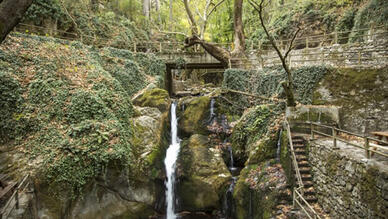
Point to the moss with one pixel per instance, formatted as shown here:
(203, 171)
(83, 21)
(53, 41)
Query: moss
(196, 116)
(369, 192)
(262, 150)
(203, 175)
(197, 195)
(332, 164)
(286, 161)
(251, 202)
(354, 82)
(250, 136)
(156, 97)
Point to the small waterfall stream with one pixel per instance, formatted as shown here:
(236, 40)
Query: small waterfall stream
(170, 163)
(279, 146)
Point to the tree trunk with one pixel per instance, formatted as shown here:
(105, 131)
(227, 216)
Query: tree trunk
(239, 38)
(171, 21)
(146, 9)
(194, 28)
(11, 12)
(157, 8)
(219, 53)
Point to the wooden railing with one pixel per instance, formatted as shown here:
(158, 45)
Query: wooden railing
(301, 202)
(310, 41)
(298, 199)
(335, 133)
(294, 161)
(13, 201)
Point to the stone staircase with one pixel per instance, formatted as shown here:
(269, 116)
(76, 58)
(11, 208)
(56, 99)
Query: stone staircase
(299, 144)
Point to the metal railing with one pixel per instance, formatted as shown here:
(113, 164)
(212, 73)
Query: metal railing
(335, 134)
(13, 201)
(297, 198)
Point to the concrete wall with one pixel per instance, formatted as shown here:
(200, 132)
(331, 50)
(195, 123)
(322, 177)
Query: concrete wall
(347, 184)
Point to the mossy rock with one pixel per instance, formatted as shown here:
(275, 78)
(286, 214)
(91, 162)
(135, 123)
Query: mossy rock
(196, 115)
(155, 97)
(202, 174)
(253, 202)
(262, 150)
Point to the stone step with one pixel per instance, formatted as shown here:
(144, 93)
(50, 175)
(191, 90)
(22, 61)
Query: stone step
(298, 140)
(304, 170)
(297, 137)
(310, 198)
(306, 177)
(299, 151)
(298, 145)
(309, 191)
(308, 184)
(303, 163)
(301, 157)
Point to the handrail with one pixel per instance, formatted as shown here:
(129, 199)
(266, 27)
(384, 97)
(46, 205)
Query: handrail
(4, 212)
(334, 134)
(295, 162)
(159, 46)
(298, 192)
(299, 195)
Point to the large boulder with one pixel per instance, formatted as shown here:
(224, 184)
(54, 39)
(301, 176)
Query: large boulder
(203, 175)
(262, 192)
(154, 97)
(196, 115)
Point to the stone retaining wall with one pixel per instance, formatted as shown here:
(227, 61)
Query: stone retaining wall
(348, 185)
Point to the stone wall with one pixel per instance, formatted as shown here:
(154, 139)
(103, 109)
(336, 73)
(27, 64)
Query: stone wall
(347, 184)
(370, 54)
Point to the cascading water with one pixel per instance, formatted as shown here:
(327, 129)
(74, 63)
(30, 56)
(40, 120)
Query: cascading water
(170, 161)
(212, 113)
(279, 146)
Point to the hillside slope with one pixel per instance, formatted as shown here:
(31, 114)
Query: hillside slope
(67, 107)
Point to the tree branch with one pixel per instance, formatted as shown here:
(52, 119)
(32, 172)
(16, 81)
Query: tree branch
(215, 7)
(194, 28)
(292, 42)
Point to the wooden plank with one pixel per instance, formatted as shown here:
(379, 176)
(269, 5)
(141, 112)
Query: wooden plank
(7, 189)
(385, 134)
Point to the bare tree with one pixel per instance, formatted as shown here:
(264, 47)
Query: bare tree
(194, 28)
(204, 16)
(287, 85)
(11, 12)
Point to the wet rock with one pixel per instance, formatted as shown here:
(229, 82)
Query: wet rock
(196, 116)
(203, 176)
(156, 97)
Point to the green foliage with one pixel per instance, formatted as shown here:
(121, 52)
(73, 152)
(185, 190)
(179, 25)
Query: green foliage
(236, 79)
(41, 10)
(374, 13)
(76, 110)
(11, 101)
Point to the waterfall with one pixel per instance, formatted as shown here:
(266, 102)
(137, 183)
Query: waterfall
(231, 157)
(279, 146)
(170, 163)
(212, 113)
